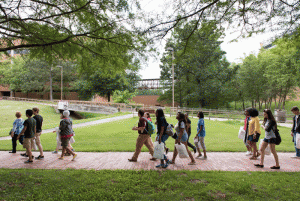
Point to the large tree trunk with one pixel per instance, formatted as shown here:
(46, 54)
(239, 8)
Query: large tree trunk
(108, 96)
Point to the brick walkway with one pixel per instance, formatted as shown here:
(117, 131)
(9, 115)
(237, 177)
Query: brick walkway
(224, 161)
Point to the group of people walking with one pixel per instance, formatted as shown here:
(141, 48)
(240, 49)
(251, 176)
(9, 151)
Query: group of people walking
(181, 135)
(28, 133)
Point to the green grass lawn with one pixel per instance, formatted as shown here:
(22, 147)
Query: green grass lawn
(51, 118)
(118, 136)
(34, 184)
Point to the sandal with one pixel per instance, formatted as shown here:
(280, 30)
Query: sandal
(28, 161)
(160, 165)
(192, 163)
(61, 158)
(152, 159)
(274, 167)
(25, 155)
(171, 162)
(253, 158)
(259, 165)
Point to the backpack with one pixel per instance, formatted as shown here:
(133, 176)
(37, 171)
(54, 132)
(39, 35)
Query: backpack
(150, 127)
(278, 138)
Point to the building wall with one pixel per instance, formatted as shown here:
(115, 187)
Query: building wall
(46, 96)
(151, 100)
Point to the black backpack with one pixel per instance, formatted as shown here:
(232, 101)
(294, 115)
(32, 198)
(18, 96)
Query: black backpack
(278, 138)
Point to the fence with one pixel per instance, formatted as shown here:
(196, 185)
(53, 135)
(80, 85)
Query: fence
(215, 113)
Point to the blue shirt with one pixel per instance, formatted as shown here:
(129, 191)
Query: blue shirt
(201, 123)
(18, 126)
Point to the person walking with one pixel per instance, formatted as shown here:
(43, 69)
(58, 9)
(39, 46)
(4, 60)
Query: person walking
(66, 132)
(182, 137)
(162, 135)
(39, 123)
(246, 125)
(28, 131)
(189, 131)
(200, 135)
(295, 129)
(143, 138)
(15, 131)
(254, 133)
(270, 127)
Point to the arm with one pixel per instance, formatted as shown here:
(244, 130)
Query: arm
(162, 129)
(22, 132)
(292, 131)
(180, 135)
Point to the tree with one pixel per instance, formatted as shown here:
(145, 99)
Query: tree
(30, 75)
(245, 16)
(123, 96)
(71, 30)
(200, 67)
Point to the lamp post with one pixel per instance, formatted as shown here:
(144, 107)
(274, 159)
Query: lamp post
(61, 84)
(171, 49)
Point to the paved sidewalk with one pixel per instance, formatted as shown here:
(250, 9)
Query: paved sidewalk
(101, 121)
(223, 161)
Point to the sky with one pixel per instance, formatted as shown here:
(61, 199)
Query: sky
(235, 50)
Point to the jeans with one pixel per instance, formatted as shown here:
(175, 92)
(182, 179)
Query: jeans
(190, 144)
(14, 142)
(297, 150)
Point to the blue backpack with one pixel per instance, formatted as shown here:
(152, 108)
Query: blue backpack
(150, 127)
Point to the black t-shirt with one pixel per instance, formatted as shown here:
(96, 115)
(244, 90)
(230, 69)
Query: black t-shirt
(188, 121)
(161, 122)
(30, 124)
(39, 123)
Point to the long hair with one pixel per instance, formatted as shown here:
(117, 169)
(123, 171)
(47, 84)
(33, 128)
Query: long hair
(160, 113)
(254, 112)
(182, 118)
(270, 117)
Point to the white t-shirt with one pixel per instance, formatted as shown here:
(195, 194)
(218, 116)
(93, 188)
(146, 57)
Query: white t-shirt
(177, 128)
(296, 118)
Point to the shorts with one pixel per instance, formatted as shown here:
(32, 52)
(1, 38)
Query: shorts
(201, 139)
(65, 142)
(270, 141)
(163, 138)
(37, 138)
(27, 143)
(250, 138)
(184, 137)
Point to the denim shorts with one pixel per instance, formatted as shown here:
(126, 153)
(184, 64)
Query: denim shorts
(163, 138)
(270, 141)
(184, 137)
(250, 138)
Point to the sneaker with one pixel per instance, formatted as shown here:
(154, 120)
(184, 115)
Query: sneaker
(158, 166)
(74, 157)
(39, 157)
(61, 158)
(24, 155)
(295, 157)
(203, 158)
(54, 152)
(28, 161)
(248, 153)
(165, 165)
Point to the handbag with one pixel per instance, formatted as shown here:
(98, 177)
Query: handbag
(267, 150)
(181, 148)
(242, 133)
(197, 143)
(169, 130)
(158, 150)
(278, 137)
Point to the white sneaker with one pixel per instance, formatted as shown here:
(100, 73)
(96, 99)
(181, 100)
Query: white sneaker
(295, 157)
(248, 153)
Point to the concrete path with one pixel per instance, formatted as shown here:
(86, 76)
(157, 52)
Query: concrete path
(101, 121)
(223, 161)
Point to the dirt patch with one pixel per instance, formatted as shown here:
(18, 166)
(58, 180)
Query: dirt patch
(112, 181)
(196, 181)
(183, 174)
(217, 195)
(189, 199)
(254, 188)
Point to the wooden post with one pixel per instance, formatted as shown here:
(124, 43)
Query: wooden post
(209, 114)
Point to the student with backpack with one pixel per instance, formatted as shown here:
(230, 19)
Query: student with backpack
(161, 134)
(143, 138)
(270, 126)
